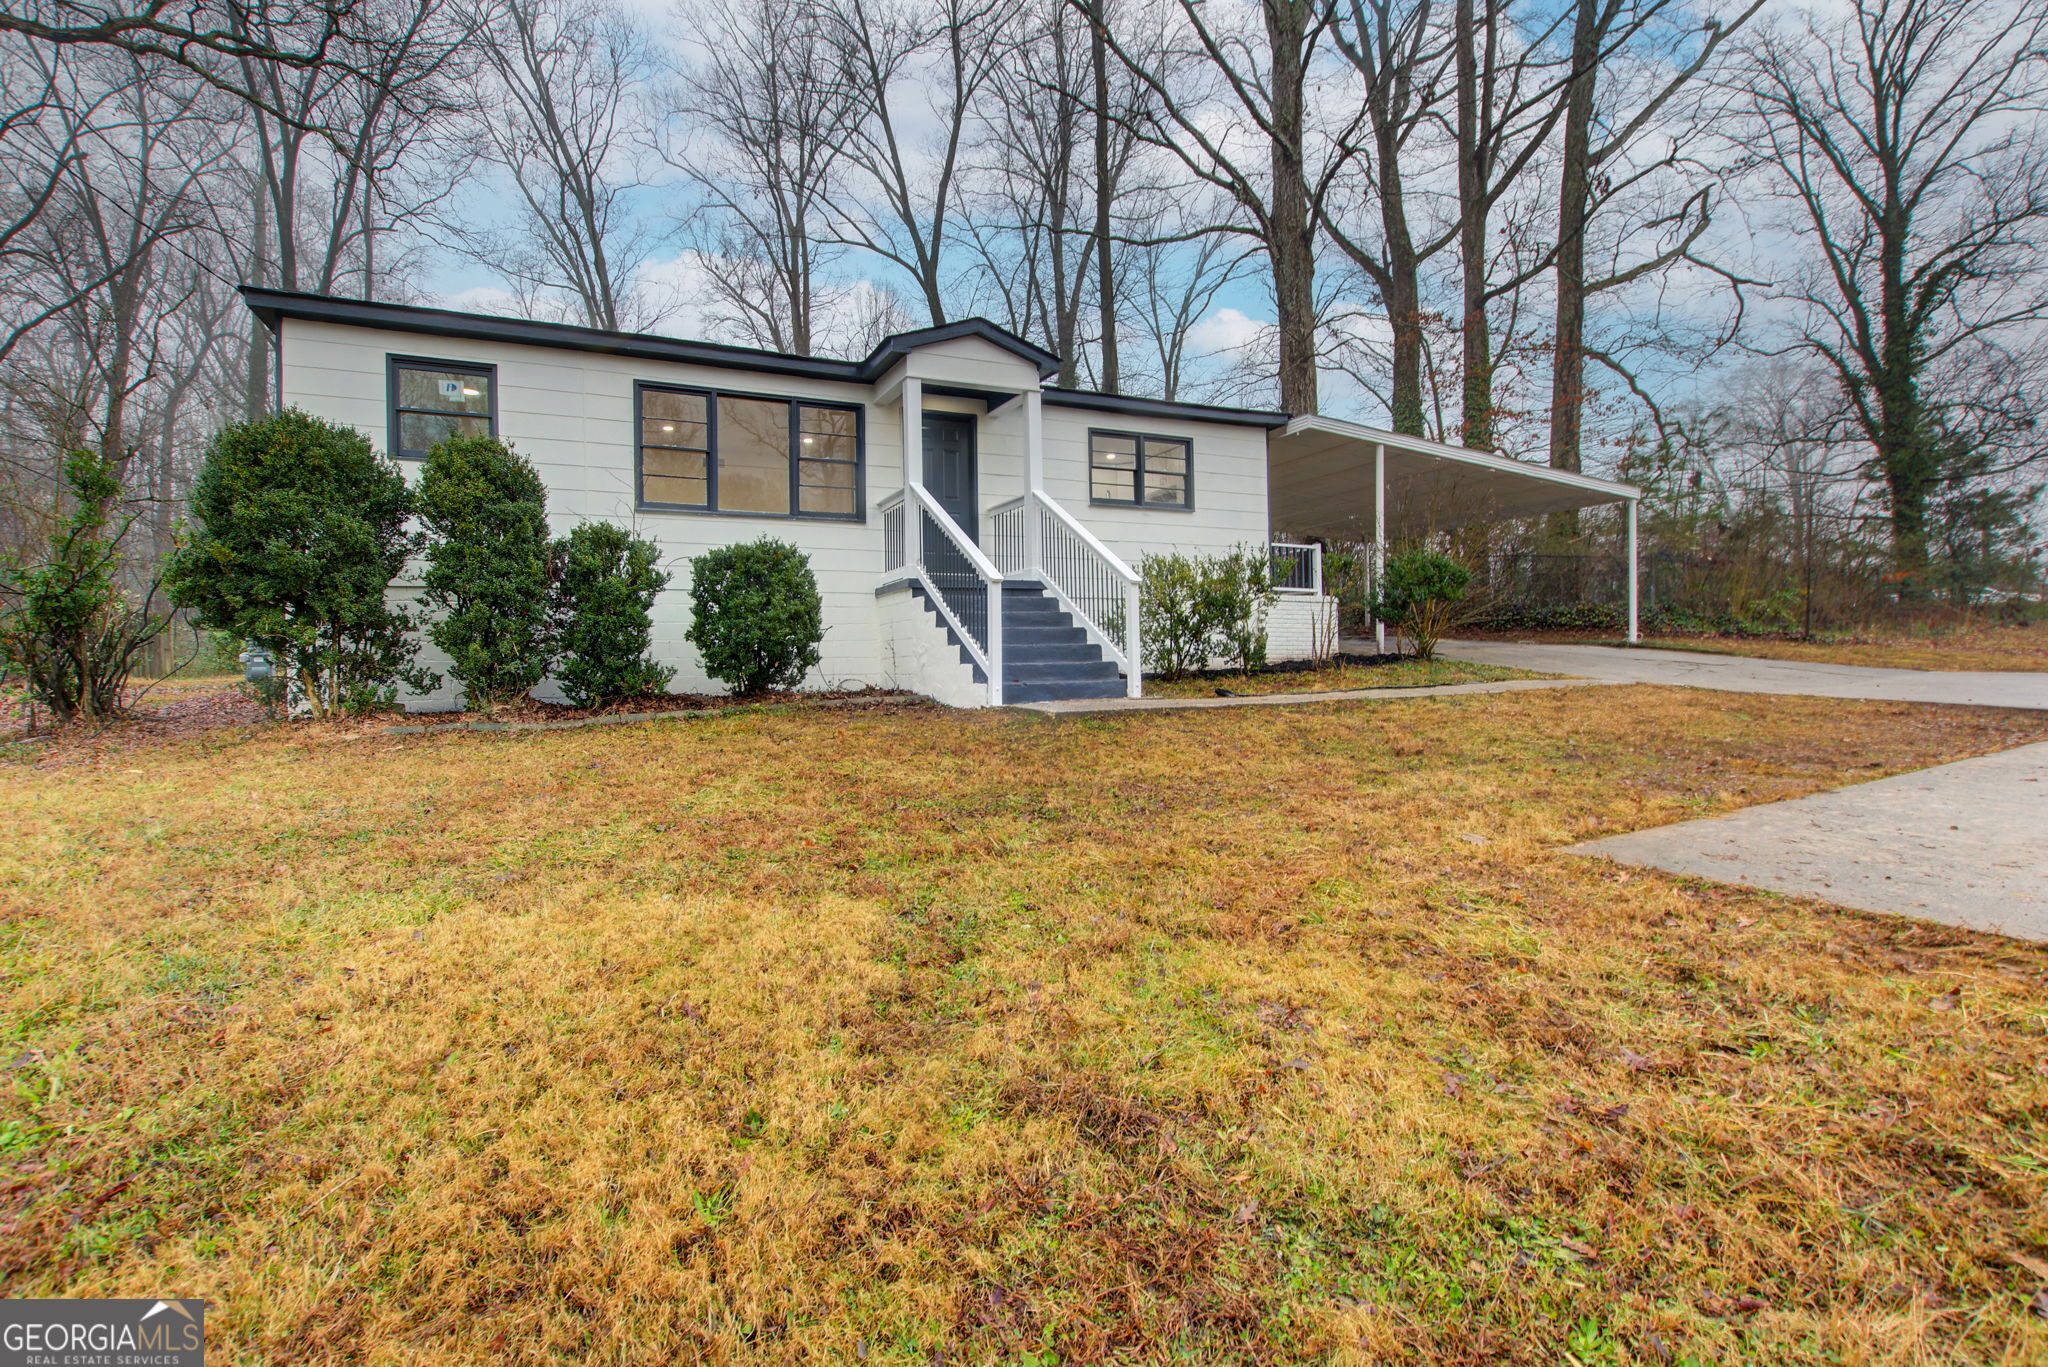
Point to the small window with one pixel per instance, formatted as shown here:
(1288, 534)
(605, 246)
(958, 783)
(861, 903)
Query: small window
(432, 401)
(741, 453)
(1129, 467)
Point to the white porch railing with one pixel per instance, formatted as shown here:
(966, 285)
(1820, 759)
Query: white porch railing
(964, 584)
(1297, 567)
(1035, 535)
(892, 532)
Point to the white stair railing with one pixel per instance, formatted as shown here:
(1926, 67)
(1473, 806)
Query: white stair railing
(964, 584)
(892, 532)
(1035, 535)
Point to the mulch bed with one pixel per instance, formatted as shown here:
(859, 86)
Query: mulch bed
(532, 711)
(183, 710)
(157, 715)
(1336, 661)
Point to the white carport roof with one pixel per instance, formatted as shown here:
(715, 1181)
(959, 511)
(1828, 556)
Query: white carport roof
(1321, 474)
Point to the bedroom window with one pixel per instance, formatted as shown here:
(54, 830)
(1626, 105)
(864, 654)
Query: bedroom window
(704, 451)
(1133, 469)
(432, 401)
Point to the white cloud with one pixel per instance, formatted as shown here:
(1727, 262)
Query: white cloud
(1227, 331)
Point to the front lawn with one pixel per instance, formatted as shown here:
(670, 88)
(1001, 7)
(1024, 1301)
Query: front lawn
(1996, 648)
(1408, 673)
(907, 1036)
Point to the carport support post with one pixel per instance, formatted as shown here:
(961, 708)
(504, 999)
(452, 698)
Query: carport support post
(1634, 573)
(1379, 539)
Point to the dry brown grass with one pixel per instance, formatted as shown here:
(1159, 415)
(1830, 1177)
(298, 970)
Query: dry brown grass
(1998, 648)
(1266, 1035)
(1332, 678)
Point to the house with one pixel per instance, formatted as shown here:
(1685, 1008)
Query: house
(981, 554)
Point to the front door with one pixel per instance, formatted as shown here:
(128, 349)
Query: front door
(949, 468)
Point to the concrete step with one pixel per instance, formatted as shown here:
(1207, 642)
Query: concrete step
(1061, 692)
(1041, 636)
(1058, 671)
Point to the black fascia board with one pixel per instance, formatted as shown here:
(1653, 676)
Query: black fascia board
(270, 305)
(1135, 407)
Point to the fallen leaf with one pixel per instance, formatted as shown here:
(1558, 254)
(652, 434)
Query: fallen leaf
(2030, 1263)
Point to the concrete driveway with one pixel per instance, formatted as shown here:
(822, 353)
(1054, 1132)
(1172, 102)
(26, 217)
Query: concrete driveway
(1960, 843)
(1741, 674)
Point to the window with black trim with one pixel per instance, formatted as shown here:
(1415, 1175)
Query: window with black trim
(1145, 472)
(432, 401)
(705, 451)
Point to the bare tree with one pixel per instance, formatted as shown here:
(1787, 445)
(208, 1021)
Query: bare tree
(1401, 58)
(1907, 139)
(569, 79)
(912, 79)
(1604, 120)
(1247, 132)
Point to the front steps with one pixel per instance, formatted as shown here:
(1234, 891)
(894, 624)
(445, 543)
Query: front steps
(1046, 656)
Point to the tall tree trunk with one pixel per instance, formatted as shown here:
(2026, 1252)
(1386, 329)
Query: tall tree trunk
(1477, 426)
(1403, 290)
(256, 380)
(1568, 364)
(1290, 230)
(1105, 195)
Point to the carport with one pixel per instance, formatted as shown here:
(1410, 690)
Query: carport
(1344, 481)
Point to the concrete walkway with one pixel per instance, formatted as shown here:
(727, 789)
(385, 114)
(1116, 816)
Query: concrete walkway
(1741, 674)
(1965, 844)
(1090, 705)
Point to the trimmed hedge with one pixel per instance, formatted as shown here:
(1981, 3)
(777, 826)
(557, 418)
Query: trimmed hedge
(487, 571)
(605, 583)
(755, 615)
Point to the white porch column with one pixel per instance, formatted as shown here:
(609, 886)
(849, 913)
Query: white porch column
(913, 471)
(1634, 573)
(1379, 538)
(1034, 480)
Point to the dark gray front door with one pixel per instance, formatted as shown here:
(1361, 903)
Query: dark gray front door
(949, 468)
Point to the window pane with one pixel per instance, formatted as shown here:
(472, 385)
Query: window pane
(673, 476)
(1113, 485)
(660, 460)
(829, 474)
(837, 422)
(753, 456)
(661, 489)
(1172, 489)
(1115, 452)
(662, 405)
(418, 431)
(826, 502)
(1171, 456)
(817, 447)
(445, 391)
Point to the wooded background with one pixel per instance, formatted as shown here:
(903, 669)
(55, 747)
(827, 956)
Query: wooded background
(1783, 265)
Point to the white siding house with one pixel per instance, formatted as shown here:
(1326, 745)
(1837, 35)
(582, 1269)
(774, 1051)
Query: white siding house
(983, 556)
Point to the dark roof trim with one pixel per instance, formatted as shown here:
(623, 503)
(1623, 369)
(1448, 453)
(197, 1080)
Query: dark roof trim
(1163, 408)
(271, 305)
(894, 349)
